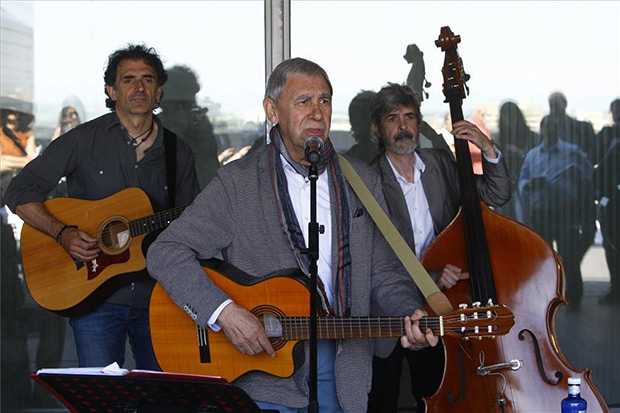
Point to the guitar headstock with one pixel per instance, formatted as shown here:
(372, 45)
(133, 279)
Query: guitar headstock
(454, 76)
(478, 322)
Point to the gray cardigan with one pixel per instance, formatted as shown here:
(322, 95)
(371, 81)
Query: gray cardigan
(236, 215)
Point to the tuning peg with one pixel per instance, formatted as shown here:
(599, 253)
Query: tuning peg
(462, 306)
(476, 304)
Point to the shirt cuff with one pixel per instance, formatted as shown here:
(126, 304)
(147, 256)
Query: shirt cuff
(211, 323)
(496, 160)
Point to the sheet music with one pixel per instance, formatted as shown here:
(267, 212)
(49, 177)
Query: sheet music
(110, 370)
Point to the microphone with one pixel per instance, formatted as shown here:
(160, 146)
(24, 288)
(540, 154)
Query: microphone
(313, 147)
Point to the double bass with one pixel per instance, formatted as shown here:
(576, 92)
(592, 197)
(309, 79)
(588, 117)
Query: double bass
(509, 264)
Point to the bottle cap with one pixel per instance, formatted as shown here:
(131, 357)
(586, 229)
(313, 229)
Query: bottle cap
(574, 380)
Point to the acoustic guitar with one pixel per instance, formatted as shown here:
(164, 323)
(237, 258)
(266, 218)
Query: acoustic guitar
(282, 304)
(120, 223)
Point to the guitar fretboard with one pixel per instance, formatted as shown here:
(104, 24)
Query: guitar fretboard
(298, 328)
(154, 222)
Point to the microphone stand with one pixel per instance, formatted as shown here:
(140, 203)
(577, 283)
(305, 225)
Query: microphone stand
(313, 253)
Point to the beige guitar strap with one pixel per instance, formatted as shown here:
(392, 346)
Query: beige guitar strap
(435, 298)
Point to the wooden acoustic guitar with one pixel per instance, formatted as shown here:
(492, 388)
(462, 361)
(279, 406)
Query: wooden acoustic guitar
(282, 304)
(120, 223)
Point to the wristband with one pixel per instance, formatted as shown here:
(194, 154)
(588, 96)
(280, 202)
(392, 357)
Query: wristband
(59, 236)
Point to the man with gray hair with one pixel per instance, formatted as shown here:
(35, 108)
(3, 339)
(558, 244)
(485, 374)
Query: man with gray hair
(255, 212)
(422, 194)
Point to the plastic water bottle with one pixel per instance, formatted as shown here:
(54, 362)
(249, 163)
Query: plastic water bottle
(574, 403)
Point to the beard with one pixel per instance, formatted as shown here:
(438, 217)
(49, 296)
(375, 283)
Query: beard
(403, 143)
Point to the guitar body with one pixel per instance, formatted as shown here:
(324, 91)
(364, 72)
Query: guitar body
(174, 334)
(56, 282)
(281, 301)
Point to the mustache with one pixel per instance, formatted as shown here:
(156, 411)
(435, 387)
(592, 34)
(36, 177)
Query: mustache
(403, 134)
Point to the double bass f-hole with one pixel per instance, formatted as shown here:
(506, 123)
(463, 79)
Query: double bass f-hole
(539, 360)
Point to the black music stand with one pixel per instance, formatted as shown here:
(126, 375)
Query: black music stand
(146, 392)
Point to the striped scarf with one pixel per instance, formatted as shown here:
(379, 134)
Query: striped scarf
(338, 196)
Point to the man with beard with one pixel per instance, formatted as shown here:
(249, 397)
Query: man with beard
(422, 195)
(122, 149)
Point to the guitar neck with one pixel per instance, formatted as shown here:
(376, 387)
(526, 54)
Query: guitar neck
(154, 222)
(298, 328)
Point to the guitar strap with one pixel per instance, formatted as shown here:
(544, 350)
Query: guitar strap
(170, 147)
(435, 298)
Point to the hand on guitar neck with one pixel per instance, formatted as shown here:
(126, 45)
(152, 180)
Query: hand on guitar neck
(415, 337)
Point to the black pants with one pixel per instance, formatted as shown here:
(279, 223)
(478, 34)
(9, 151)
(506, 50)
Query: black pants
(573, 240)
(425, 366)
(610, 224)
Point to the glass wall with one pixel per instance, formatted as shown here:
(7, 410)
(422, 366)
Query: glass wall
(53, 58)
(517, 54)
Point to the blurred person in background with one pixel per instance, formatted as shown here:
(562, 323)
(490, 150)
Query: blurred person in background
(71, 115)
(17, 149)
(365, 147)
(556, 182)
(516, 139)
(580, 133)
(182, 115)
(607, 181)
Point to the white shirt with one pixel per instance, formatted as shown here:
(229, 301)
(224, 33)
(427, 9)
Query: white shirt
(299, 192)
(417, 205)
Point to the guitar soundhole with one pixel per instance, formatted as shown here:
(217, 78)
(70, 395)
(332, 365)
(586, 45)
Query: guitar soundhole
(114, 236)
(276, 343)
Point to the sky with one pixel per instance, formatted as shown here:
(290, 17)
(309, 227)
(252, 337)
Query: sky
(519, 50)
(512, 50)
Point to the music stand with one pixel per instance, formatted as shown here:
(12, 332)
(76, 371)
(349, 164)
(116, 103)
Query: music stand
(146, 392)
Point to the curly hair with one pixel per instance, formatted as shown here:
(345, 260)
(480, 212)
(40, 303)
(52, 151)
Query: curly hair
(135, 52)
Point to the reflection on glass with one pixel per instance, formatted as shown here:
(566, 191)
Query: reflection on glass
(513, 70)
(214, 52)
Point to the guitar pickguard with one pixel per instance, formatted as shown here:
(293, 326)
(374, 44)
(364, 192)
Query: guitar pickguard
(98, 265)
